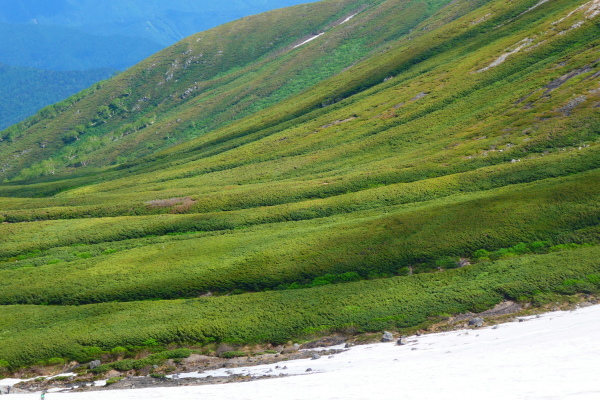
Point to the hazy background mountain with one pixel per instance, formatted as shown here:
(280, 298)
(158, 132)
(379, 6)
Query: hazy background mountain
(96, 39)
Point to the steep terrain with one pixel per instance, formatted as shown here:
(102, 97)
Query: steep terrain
(69, 42)
(333, 166)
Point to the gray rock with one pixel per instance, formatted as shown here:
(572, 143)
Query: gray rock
(95, 363)
(347, 345)
(315, 357)
(476, 322)
(387, 337)
(308, 369)
(401, 341)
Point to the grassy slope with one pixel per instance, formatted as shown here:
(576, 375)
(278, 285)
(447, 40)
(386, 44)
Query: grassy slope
(201, 83)
(357, 174)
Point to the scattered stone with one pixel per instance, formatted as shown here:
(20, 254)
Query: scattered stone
(387, 337)
(495, 327)
(315, 357)
(308, 369)
(419, 96)
(401, 341)
(325, 342)
(285, 367)
(521, 319)
(347, 345)
(331, 357)
(95, 364)
(476, 322)
(413, 349)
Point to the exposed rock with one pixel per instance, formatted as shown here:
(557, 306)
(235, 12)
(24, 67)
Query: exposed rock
(503, 308)
(476, 322)
(401, 341)
(387, 337)
(463, 262)
(315, 357)
(419, 96)
(325, 342)
(567, 108)
(95, 364)
(112, 374)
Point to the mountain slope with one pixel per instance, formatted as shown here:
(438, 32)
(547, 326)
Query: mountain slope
(86, 36)
(222, 74)
(250, 161)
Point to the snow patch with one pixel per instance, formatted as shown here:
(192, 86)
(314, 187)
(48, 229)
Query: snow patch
(554, 356)
(309, 40)
(348, 19)
(533, 7)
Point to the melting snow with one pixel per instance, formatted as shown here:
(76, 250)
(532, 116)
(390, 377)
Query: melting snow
(308, 40)
(347, 19)
(551, 357)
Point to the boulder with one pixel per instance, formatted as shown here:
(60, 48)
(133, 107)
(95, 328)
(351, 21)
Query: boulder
(476, 322)
(401, 341)
(387, 337)
(463, 262)
(315, 357)
(95, 364)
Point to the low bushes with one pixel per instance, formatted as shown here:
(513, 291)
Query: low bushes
(42, 332)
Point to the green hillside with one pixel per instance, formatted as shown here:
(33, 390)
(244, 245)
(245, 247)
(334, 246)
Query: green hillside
(412, 159)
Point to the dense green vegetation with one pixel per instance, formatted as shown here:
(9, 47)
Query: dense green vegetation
(33, 333)
(235, 188)
(25, 90)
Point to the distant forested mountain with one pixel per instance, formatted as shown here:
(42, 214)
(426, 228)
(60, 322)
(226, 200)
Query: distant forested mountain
(23, 89)
(95, 39)
(58, 48)
(159, 21)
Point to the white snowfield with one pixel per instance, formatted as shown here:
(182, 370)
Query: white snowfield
(555, 356)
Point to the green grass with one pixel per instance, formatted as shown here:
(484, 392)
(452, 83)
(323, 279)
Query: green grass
(30, 333)
(380, 149)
